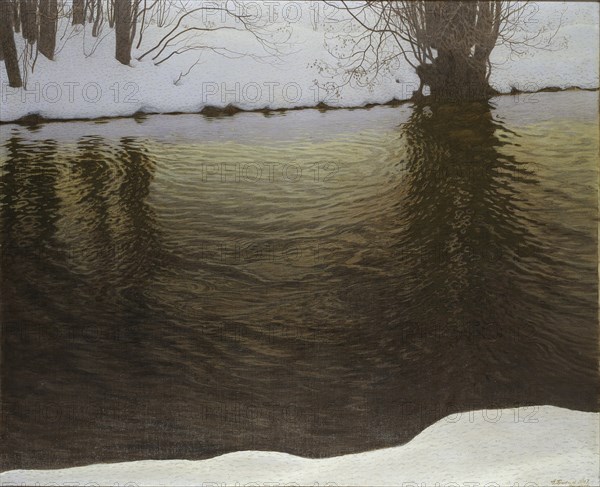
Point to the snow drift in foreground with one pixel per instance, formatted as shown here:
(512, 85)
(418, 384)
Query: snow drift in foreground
(541, 446)
(85, 81)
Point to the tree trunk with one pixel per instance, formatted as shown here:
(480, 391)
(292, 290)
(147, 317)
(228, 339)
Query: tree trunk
(123, 30)
(78, 12)
(32, 20)
(48, 25)
(98, 19)
(9, 49)
(110, 11)
(23, 16)
(29, 19)
(16, 16)
(459, 71)
(89, 5)
(456, 77)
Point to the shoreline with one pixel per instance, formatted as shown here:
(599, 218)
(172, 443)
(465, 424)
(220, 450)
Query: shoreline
(539, 444)
(211, 111)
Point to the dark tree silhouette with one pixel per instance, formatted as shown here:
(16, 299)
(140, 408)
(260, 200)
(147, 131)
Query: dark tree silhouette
(78, 12)
(48, 25)
(29, 20)
(125, 27)
(7, 45)
(98, 19)
(447, 43)
(16, 15)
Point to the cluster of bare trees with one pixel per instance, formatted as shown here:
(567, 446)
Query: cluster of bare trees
(447, 43)
(183, 22)
(37, 23)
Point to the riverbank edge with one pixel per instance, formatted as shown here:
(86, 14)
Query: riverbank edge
(485, 446)
(211, 111)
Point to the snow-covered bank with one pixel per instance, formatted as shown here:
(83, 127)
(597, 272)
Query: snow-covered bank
(85, 81)
(539, 446)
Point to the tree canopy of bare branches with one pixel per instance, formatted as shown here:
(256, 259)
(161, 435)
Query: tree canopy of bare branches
(179, 27)
(447, 43)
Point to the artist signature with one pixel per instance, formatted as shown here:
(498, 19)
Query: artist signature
(571, 483)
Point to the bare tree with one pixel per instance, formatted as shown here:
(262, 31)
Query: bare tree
(16, 15)
(48, 26)
(447, 43)
(125, 27)
(78, 12)
(90, 7)
(110, 13)
(8, 47)
(184, 26)
(29, 19)
(187, 31)
(98, 14)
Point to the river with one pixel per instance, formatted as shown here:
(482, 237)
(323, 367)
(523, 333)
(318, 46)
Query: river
(312, 282)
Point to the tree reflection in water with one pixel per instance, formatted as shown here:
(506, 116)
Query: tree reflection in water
(119, 343)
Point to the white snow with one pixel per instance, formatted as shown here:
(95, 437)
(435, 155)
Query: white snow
(529, 446)
(85, 81)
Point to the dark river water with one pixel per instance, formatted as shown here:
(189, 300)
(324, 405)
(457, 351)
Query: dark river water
(317, 283)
